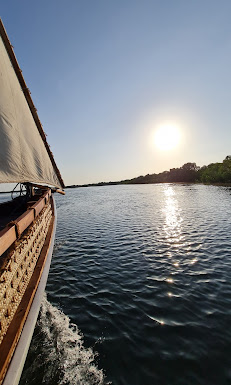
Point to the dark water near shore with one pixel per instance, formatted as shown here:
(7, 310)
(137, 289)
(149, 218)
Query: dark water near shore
(145, 273)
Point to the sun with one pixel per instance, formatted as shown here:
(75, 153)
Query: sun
(167, 137)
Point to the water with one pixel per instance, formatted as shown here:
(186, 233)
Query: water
(145, 273)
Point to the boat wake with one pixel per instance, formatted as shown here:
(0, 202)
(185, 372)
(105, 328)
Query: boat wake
(57, 354)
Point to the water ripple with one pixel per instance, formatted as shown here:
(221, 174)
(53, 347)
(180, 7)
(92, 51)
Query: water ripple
(147, 271)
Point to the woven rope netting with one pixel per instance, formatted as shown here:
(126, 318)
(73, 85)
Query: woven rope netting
(19, 266)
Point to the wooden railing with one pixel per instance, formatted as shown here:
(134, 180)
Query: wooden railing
(14, 229)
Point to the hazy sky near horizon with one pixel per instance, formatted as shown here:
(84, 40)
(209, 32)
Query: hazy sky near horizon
(105, 74)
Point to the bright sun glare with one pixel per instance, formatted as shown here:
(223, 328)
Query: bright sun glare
(167, 137)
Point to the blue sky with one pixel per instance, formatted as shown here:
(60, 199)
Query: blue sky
(104, 74)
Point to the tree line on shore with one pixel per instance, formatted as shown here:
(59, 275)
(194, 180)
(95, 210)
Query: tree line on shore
(188, 173)
(191, 173)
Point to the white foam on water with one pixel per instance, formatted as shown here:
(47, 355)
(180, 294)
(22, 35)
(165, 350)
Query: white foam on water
(62, 352)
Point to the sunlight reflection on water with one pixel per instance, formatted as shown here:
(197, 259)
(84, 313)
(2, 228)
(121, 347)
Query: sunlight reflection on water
(172, 226)
(147, 270)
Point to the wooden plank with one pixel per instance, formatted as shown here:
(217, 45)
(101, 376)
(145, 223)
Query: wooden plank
(38, 206)
(60, 192)
(46, 197)
(24, 221)
(7, 237)
(9, 234)
(13, 334)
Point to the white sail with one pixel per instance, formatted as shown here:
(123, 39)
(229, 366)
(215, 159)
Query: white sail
(24, 154)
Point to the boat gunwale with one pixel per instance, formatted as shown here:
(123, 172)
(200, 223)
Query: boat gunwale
(14, 331)
(14, 229)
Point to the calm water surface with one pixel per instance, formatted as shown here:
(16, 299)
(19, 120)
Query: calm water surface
(144, 271)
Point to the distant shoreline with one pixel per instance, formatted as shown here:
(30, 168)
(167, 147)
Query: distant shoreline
(8, 192)
(129, 184)
(102, 184)
(213, 174)
(5, 192)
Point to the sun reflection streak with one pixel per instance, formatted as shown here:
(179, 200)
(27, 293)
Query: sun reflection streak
(173, 225)
(174, 236)
(173, 219)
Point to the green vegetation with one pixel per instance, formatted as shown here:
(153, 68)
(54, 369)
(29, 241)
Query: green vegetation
(214, 173)
(191, 173)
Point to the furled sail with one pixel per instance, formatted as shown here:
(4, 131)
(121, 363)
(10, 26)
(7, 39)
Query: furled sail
(24, 153)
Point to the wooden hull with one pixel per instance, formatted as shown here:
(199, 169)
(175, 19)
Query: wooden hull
(16, 341)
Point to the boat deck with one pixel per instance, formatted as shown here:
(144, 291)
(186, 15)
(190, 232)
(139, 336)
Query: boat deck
(11, 210)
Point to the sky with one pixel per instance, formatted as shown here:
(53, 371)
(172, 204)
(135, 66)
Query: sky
(105, 74)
